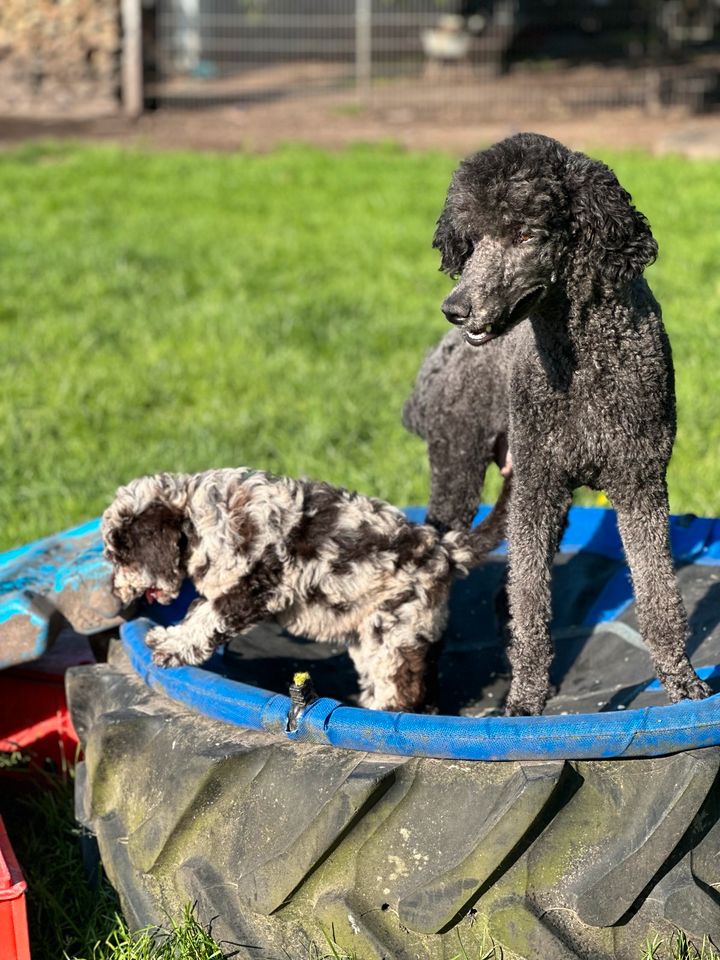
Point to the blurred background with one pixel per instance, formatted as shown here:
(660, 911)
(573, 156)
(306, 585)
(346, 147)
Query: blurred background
(328, 68)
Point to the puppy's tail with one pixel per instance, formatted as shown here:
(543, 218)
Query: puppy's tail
(469, 548)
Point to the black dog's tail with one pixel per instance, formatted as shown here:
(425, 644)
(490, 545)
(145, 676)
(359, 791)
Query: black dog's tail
(468, 549)
(490, 532)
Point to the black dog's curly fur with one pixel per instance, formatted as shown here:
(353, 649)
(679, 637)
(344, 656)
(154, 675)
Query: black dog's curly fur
(560, 353)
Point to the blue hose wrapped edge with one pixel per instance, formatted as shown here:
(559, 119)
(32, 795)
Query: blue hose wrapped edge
(647, 732)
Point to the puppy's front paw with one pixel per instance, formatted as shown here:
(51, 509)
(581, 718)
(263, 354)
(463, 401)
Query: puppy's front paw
(166, 651)
(155, 637)
(177, 647)
(167, 658)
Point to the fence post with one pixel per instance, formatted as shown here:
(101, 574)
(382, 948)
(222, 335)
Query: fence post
(363, 48)
(132, 60)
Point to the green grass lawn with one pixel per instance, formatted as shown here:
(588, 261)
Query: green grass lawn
(177, 311)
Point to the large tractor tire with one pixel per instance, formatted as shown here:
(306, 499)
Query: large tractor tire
(284, 844)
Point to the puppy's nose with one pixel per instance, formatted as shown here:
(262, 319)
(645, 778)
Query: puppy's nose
(456, 308)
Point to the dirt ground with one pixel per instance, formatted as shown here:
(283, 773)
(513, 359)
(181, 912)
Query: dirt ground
(583, 106)
(260, 127)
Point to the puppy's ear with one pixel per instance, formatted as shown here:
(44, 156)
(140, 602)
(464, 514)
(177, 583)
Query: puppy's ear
(453, 248)
(610, 235)
(160, 499)
(158, 518)
(115, 541)
(115, 533)
(124, 534)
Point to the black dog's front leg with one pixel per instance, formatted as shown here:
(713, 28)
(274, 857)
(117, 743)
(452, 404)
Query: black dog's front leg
(206, 626)
(537, 517)
(642, 513)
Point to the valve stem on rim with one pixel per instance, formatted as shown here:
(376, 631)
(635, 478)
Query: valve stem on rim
(302, 694)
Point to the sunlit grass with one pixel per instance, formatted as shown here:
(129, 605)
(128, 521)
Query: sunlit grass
(176, 311)
(678, 947)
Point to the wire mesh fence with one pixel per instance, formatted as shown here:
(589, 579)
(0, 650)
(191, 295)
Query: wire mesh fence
(480, 56)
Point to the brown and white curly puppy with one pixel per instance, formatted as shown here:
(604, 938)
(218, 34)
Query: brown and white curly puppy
(325, 563)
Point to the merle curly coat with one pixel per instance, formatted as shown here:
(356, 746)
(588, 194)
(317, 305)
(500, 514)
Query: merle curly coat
(325, 563)
(559, 353)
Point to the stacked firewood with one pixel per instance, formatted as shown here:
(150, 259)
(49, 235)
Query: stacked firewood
(58, 56)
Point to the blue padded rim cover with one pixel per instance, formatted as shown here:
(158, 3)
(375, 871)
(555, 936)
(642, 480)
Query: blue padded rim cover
(649, 732)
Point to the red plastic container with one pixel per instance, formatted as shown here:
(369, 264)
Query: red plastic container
(33, 713)
(14, 940)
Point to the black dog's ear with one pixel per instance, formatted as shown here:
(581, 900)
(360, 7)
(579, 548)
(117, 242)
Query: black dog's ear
(454, 249)
(608, 232)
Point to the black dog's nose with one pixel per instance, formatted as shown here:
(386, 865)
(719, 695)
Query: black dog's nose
(456, 308)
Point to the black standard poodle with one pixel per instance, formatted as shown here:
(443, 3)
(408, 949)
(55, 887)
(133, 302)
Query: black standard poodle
(559, 369)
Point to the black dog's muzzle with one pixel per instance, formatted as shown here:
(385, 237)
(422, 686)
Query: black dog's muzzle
(491, 329)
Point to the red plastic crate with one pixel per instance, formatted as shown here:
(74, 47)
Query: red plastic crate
(33, 713)
(14, 940)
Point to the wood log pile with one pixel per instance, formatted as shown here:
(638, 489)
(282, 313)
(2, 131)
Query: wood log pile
(59, 57)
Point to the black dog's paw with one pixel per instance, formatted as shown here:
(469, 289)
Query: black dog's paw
(514, 709)
(686, 686)
(519, 705)
(699, 691)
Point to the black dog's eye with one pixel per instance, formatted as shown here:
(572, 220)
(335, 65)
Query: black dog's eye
(523, 236)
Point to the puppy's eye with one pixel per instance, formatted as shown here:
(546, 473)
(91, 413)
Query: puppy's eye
(523, 236)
